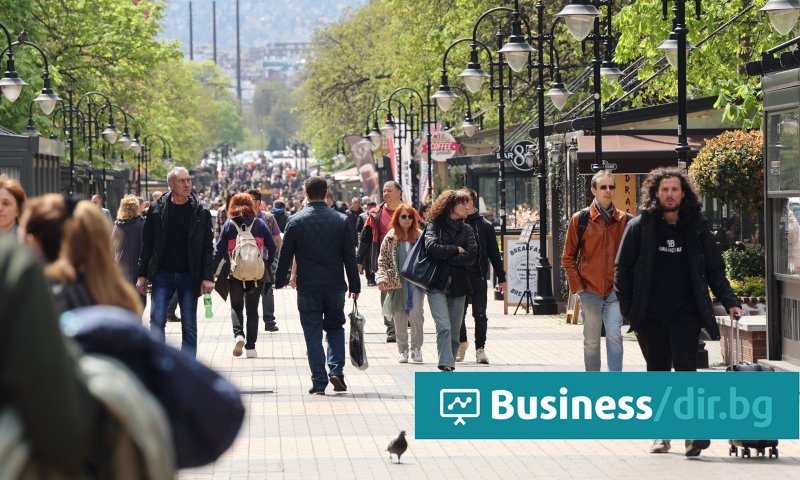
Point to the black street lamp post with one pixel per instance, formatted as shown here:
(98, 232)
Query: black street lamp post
(426, 108)
(399, 131)
(166, 155)
(124, 142)
(90, 129)
(583, 21)
(676, 47)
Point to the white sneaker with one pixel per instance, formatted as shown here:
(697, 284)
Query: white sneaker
(251, 353)
(416, 356)
(237, 350)
(660, 446)
(403, 358)
(480, 356)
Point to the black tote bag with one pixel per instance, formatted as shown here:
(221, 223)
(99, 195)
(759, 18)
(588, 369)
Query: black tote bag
(419, 268)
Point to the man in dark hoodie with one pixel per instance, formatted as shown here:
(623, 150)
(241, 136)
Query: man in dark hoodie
(488, 251)
(279, 212)
(665, 265)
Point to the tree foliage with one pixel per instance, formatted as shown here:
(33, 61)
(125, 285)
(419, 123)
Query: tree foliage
(386, 44)
(729, 167)
(112, 47)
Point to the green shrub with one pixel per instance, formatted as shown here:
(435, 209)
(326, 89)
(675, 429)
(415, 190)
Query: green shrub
(740, 264)
(749, 287)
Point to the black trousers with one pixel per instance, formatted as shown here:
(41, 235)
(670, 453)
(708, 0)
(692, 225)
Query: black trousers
(478, 300)
(669, 344)
(245, 299)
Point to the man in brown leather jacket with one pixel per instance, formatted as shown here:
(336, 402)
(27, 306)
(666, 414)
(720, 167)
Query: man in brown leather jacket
(588, 259)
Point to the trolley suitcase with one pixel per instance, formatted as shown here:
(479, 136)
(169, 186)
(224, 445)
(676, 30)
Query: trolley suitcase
(737, 365)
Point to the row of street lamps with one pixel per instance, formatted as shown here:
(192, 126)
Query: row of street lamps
(584, 21)
(86, 120)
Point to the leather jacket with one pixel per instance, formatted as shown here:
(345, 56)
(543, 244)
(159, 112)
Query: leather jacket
(442, 239)
(592, 268)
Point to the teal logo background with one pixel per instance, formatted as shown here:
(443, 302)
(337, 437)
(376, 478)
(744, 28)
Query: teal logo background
(607, 405)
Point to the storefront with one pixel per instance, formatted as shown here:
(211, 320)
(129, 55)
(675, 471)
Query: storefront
(782, 214)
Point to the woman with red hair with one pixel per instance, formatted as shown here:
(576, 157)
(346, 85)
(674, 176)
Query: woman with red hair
(403, 303)
(242, 215)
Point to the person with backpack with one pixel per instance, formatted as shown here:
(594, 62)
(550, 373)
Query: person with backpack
(247, 248)
(593, 238)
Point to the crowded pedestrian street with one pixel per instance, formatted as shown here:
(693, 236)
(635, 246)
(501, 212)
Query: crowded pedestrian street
(288, 434)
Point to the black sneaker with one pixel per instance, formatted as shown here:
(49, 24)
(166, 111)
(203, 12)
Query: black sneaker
(171, 317)
(271, 328)
(317, 391)
(338, 383)
(391, 339)
(694, 447)
(372, 284)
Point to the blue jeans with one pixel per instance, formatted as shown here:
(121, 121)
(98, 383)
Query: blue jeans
(448, 313)
(596, 311)
(165, 284)
(323, 311)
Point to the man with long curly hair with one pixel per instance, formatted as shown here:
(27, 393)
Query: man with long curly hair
(666, 262)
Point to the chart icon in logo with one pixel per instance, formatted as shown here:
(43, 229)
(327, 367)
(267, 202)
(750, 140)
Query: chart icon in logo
(459, 403)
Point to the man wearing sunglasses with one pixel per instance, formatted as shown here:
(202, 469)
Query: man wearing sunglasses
(593, 238)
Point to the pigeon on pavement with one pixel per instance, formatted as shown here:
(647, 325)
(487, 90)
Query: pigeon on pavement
(398, 446)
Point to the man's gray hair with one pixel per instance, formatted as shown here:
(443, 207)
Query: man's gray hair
(175, 171)
(602, 173)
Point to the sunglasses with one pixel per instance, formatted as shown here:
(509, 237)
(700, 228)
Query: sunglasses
(607, 187)
(406, 217)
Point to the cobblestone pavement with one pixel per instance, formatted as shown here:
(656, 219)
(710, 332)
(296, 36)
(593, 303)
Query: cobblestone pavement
(290, 434)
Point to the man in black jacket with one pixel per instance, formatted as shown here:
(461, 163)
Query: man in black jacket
(488, 251)
(176, 255)
(320, 238)
(665, 264)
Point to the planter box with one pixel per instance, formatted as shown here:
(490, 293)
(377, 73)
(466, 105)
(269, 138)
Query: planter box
(753, 333)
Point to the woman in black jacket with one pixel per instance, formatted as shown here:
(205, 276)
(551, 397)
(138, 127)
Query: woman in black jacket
(452, 242)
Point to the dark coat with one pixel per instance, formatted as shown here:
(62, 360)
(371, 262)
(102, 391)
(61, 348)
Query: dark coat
(127, 236)
(442, 239)
(320, 238)
(635, 264)
(369, 241)
(200, 246)
(488, 251)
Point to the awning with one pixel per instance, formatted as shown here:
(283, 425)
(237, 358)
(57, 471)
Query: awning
(349, 175)
(635, 153)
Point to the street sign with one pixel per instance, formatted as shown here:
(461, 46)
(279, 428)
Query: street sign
(517, 155)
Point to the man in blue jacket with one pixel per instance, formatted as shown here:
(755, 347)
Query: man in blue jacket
(320, 238)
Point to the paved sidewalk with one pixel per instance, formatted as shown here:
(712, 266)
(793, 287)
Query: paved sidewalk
(290, 434)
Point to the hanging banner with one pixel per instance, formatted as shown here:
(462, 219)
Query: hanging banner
(445, 146)
(625, 193)
(362, 154)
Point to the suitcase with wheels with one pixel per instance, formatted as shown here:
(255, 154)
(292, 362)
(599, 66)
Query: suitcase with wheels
(738, 365)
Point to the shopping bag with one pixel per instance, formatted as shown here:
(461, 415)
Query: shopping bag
(419, 268)
(358, 352)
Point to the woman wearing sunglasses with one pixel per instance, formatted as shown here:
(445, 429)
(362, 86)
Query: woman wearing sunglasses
(403, 303)
(452, 242)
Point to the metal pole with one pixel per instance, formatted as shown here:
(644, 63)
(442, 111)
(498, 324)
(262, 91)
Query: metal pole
(597, 93)
(139, 174)
(238, 60)
(501, 160)
(71, 143)
(92, 190)
(428, 106)
(146, 159)
(214, 28)
(680, 30)
(191, 34)
(543, 301)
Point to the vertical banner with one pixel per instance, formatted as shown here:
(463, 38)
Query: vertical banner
(625, 194)
(392, 158)
(362, 154)
(405, 147)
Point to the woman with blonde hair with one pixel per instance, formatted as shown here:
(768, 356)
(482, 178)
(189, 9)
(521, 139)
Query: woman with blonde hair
(12, 200)
(403, 303)
(452, 243)
(127, 238)
(85, 272)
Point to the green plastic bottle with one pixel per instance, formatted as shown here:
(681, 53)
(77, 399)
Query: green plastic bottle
(207, 303)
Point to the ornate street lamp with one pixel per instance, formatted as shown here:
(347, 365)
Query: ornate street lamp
(782, 14)
(676, 53)
(426, 121)
(166, 155)
(90, 130)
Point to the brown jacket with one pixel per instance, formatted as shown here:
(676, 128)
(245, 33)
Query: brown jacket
(594, 270)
